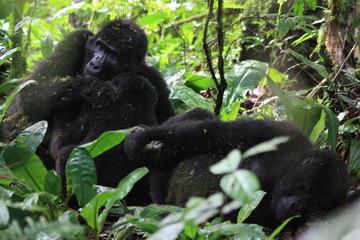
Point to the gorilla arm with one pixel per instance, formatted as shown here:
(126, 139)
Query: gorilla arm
(66, 60)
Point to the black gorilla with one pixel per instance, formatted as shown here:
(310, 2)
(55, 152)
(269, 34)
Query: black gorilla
(120, 46)
(298, 179)
(91, 84)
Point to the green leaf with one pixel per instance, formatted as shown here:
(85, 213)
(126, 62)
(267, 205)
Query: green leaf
(281, 227)
(91, 210)
(312, 4)
(198, 82)
(267, 146)
(47, 45)
(106, 141)
(191, 98)
(299, 7)
(25, 164)
(318, 128)
(8, 100)
(250, 205)
(81, 174)
(332, 124)
(123, 189)
(6, 7)
(52, 183)
(242, 77)
(240, 185)
(153, 19)
(354, 153)
(153, 211)
(305, 113)
(283, 28)
(229, 164)
(319, 68)
(33, 135)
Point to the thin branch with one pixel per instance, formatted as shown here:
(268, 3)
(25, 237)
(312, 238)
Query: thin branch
(206, 46)
(223, 83)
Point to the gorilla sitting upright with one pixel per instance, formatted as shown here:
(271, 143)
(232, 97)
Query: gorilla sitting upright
(298, 178)
(91, 84)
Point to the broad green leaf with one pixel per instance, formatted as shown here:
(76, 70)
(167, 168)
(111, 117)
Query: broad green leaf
(233, 113)
(332, 123)
(8, 100)
(106, 141)
(91, 210)
(52, 183)
(250, 205)
(318, 128)
(198, 82)
(242, 77)
(47, 45)
(33, 135)
(319, 68)
(123, 189)
(299, 7)
(240, 185)
(305, 113)
(312, 4)
(283, 28)
(81, 174)
(153, 211)
(25, 164)
(267, 146)
(354, 153)
(153, 19)
(229, 164)
(190, 230)
(191, 98)
(242, 231)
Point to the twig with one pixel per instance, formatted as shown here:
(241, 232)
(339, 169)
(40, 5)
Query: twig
(206, 47)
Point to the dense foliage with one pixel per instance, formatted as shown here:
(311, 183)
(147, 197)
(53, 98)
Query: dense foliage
(283, 60)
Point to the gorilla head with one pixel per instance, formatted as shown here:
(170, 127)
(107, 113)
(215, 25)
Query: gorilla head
(120, 46)
(315, 185)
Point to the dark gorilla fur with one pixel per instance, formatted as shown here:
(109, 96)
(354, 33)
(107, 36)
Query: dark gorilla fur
(298, 178)
(88, 85)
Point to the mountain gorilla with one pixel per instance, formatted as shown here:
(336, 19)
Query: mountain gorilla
(298, 179)
(91, 84)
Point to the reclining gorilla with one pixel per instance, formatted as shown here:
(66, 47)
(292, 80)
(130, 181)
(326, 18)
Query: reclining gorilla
(298, 179)
(91, 84)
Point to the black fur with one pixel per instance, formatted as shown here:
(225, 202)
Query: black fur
(298, 179)
(88, 85)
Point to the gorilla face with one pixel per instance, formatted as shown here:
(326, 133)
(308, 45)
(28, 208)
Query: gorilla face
(119, 47)
(104, 61)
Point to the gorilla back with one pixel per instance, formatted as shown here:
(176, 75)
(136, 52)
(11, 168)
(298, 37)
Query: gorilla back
(298, 178)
